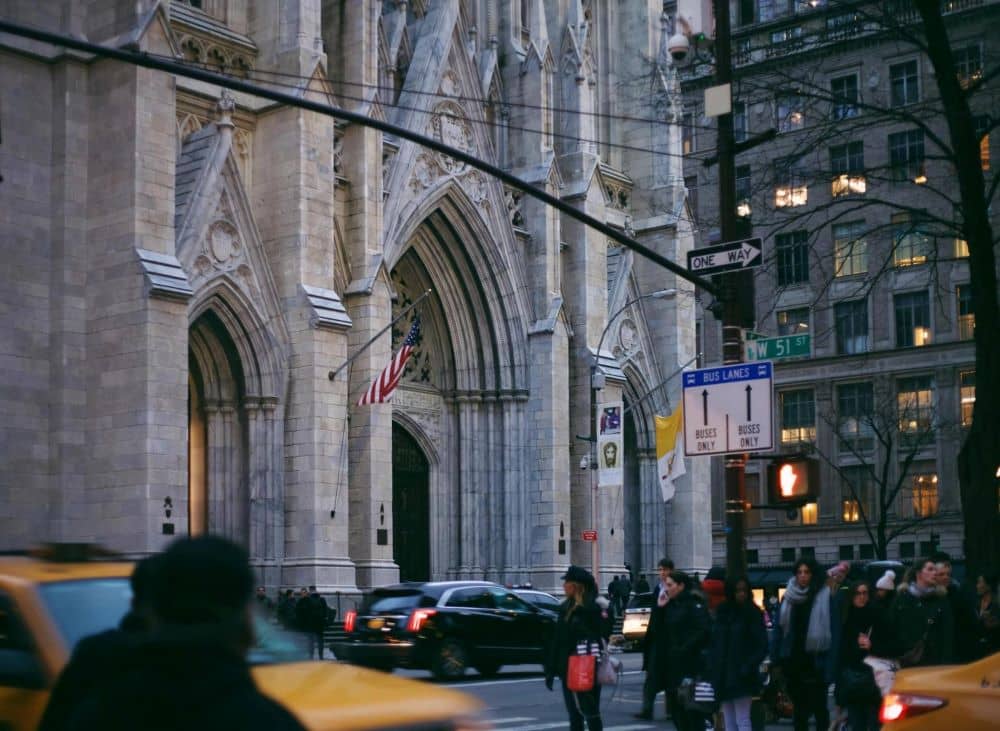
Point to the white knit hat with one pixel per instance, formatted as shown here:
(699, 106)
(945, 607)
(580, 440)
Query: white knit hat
(888, 581)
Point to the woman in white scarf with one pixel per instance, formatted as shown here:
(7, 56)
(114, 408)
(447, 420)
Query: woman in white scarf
(805, 636)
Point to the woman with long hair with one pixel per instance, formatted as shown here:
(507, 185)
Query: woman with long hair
(738, 647)
(863, 632)
(580, 623)
(805, 636)
(686, 625)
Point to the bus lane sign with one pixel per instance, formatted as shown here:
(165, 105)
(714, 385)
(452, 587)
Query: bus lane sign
(728, 409)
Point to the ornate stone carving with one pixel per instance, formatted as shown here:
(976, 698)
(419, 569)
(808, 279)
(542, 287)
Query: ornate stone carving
(627, 336)
(450, 126)
(223, 242)
(512, 198)
(450, 85)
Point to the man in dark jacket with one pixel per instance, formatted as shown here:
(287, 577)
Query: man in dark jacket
(922, 619)
(190, 671)
(94, 655)
(654, 647)
(310, 615)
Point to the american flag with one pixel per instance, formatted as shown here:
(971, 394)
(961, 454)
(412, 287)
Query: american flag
(382, 387)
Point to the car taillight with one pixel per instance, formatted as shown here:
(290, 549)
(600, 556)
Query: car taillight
(349, 619)
(896, 706)
(417, 619)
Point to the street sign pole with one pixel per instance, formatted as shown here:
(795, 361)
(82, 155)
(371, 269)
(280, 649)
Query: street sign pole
(735, 286)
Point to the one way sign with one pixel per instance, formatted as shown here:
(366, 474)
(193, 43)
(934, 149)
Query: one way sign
(726, 257)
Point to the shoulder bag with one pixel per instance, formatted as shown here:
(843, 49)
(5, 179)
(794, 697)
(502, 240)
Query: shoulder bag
(581, 671)
(609, 668)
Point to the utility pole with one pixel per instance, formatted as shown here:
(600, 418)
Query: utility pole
(735, 286)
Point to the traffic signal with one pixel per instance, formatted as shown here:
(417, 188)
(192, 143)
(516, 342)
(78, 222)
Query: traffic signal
(793, 481)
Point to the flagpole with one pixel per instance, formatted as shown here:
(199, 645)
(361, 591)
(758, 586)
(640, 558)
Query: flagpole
(376, 336)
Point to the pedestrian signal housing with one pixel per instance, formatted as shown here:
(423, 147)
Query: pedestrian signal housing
(793, 481)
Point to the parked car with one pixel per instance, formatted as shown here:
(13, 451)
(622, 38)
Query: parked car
(541, 599)
(965, 697)
(445, 627)
(48, 605)
(637, 619)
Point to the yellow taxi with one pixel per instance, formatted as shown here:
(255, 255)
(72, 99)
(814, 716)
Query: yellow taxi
(965, 697)
(48, 604)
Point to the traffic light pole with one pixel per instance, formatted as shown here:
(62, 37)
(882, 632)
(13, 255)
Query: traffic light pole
(733, 283)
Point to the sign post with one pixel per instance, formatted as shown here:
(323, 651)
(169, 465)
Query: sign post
(728, 409)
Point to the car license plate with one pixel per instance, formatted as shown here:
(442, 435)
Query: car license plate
(375, 623)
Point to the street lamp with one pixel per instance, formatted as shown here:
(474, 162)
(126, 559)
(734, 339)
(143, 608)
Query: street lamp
(597, 382)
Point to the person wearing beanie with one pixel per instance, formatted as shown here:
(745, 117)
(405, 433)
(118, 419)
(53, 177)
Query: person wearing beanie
(714, 587)
(885, 589)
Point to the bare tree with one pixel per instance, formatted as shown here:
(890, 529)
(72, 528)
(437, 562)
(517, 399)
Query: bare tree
(919, 167)
(881, 440)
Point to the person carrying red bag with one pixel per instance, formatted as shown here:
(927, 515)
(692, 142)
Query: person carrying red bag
(574, 646)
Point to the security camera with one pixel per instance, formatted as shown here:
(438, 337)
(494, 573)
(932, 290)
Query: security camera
(678, 45)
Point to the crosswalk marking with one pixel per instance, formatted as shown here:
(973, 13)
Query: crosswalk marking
(521, 726)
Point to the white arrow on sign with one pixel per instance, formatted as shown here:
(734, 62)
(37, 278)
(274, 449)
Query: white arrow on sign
(748, 253)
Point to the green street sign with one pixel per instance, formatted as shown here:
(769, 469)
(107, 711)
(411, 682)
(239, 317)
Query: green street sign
(785, 346)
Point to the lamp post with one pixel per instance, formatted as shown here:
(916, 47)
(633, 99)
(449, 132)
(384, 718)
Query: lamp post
(596, 384)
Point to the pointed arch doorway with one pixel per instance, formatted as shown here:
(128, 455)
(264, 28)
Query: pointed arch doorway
(411, 546)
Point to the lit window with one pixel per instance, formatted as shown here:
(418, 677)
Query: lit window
(961, 249)
(906, 156)
(851, 321)
(855, 403)
(791, 113)
(911, 243)
(847, 163)
(966, 315)
(798, 416)
(967, 395)
(844, 90)
(850, 248)
(857, 495)
(794, 321)
(924, 501)
(810, 514)
(968, 64)
(790, 186)
(904, 83)
(982, 127)
(914, 405)
(913, 319)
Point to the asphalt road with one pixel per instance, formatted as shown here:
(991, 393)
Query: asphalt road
(516, 699)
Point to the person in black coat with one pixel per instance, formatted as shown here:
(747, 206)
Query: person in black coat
(654, 644)
(190, 670)
(687, 626)
(580, 625)
(738, 647)
(864, 631)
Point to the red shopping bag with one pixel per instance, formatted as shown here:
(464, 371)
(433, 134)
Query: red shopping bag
(580, 673)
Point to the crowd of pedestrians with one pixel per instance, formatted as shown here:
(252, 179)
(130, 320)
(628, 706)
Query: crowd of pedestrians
(832, 629)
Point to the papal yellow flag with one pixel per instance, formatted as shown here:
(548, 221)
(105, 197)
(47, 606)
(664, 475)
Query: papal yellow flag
(670, 451)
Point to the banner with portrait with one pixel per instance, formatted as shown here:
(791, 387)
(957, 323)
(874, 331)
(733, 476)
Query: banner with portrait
(610, 452)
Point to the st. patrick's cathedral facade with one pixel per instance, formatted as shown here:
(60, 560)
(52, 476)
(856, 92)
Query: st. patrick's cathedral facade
(186, 269)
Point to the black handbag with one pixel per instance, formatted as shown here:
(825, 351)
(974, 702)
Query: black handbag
(856, 686)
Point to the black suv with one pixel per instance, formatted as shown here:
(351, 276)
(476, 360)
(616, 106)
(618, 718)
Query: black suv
(444, 627)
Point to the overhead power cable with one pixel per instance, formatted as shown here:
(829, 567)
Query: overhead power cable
(144, 60)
